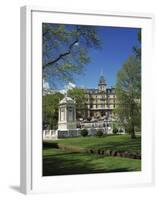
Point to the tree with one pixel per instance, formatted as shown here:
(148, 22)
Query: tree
(79, 96)
(50, 110)
(128, 91)
(65, 50)
(137, 49)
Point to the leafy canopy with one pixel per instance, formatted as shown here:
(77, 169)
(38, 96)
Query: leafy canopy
(50, 110)
(79, 96)
(137, 49)
(65, 50)
(128, 90)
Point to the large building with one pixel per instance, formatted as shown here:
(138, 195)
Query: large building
(101, 101)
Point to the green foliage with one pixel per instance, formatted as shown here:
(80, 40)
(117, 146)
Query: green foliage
(79, 96)
(137, 49)
(65, 50)
(99, 133)
(84, 132)
(115, 130)
(50, 110)
(128, 91)
(120, 130)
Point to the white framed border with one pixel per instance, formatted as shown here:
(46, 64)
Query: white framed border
(31, 99)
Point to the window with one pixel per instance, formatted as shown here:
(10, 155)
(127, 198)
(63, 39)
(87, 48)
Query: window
(102, 106)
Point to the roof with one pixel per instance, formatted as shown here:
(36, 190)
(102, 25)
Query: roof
(67, 100)
(96, 91)
(102, 80)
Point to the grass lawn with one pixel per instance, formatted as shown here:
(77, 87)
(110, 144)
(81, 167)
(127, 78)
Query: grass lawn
(60, 162)
(112, 142)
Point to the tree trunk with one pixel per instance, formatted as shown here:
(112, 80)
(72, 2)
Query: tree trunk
(133, 133)
(132, 122)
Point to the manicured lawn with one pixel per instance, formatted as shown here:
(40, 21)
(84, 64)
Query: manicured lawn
(112, 142)
(60, 162)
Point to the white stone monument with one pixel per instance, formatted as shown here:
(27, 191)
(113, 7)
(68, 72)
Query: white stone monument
(67, 114)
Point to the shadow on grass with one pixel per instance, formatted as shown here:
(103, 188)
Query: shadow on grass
(76, 163)
(48, 145)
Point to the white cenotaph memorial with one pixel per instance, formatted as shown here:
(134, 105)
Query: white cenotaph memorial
(67, 118)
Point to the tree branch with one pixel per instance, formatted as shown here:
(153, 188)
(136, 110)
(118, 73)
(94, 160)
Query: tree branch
(63, 54)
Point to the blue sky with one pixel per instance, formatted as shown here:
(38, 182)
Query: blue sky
(117, 46)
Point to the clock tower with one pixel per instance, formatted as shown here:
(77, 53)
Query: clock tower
(102, 84)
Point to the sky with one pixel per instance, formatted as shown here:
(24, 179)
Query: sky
(117, 44)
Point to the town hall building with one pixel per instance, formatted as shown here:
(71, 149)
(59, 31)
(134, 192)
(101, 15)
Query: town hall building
(101, 101)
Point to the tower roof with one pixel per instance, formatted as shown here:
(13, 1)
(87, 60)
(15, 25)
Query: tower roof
(102, 80)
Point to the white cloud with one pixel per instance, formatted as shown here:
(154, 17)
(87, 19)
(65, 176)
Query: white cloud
(67, 87)
(46, 85)
(70, 85)
(62, 91)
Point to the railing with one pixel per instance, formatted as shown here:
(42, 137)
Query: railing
(95, 124)
(48, 134)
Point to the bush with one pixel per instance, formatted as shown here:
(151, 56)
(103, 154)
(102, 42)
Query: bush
(84, 132)
(120, 130)
(115, 130)
(99, 133)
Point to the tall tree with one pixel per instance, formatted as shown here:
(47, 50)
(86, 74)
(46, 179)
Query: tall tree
(137, 49)
(65, 50)
(50, 110)
(128, 90)
(79, 96)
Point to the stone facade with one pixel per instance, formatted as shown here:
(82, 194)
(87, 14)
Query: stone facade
(102, 101)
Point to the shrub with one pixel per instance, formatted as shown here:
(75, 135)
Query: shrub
(115, 130)
(99, 133)
(84, 132)
(107, 152)
(120, 130)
